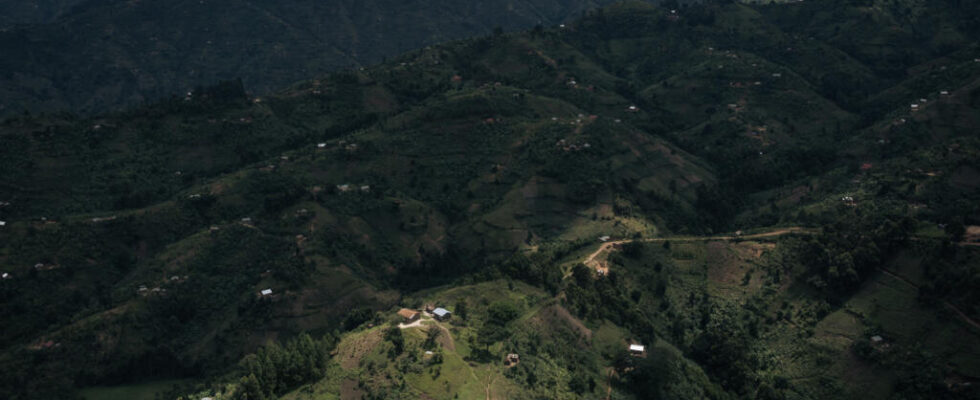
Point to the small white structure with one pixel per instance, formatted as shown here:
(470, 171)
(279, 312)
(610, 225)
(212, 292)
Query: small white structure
(266, 292)
(3, 223)
(877, 339)
(632, 109)
(777, 75)
(604, 238)
(914, 107)
(365, 188)
(247, 220)
(6, 276)
(321, 145)
(343, 188)
(637, 349)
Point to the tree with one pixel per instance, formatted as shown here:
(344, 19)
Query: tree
(394, 335)
(460, 309)
(249, 389)
(489, 334)
(724, 348)
(501, 312)
(431, 335)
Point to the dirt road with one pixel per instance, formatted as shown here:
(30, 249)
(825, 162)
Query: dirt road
(590, 260)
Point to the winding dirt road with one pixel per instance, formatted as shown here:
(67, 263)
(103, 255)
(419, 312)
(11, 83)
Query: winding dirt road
(590, 260)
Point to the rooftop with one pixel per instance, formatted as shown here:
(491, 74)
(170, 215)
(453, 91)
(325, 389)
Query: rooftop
(441, 312)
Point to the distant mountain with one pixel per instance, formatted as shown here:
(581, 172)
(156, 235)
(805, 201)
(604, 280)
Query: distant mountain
(108, 53)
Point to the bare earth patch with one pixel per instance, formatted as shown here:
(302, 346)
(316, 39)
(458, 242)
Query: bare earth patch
(349, 390)
(350, 354)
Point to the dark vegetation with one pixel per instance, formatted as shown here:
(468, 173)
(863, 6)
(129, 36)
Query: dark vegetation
(124, 54)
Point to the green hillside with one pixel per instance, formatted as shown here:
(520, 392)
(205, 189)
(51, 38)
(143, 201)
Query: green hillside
(784, 224)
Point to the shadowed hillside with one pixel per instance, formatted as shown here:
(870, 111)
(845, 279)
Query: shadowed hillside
(124, 53)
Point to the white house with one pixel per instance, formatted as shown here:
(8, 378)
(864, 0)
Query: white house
(604, 238)
(6, 276)
(3, 223)
(637, 349)
(321, 145)
(266, 292)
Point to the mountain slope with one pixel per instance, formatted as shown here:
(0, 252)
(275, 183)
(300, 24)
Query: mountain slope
(14, 12)
(126, 53)
(502, 156)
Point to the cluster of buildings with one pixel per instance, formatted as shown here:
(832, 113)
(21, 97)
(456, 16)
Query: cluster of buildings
(438, 313)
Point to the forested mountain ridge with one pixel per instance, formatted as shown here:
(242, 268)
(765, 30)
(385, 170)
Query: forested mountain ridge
(478, 174)
(17, 12)
(105, 54)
